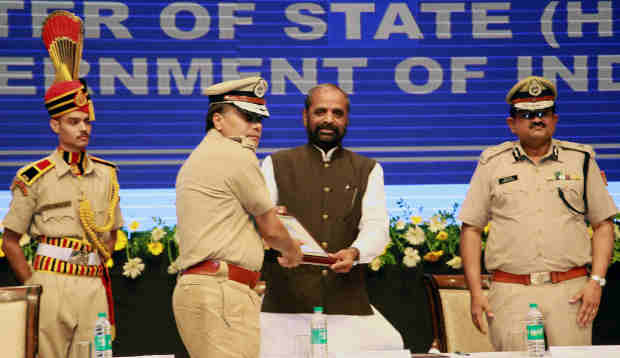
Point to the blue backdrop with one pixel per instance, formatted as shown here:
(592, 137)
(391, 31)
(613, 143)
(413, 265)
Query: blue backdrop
(427, 78)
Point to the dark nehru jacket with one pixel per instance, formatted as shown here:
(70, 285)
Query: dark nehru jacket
(326, 197)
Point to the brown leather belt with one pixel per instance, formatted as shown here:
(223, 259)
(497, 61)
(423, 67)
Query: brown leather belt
(235, 273)
(538, 278)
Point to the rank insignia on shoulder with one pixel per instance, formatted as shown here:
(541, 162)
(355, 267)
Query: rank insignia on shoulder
(101, 161)
(34, 171)
(509, 179)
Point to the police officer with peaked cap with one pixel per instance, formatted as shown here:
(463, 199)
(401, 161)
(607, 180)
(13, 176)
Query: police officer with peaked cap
(223, 210)
(536, 194)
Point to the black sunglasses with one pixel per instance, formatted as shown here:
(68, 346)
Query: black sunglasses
(525, 114)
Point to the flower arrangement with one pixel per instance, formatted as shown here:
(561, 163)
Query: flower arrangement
(414, 241)
(142, 246)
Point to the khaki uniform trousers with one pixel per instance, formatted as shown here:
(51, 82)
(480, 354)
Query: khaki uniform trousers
(510, 304)
(68, 311)
(217, 317)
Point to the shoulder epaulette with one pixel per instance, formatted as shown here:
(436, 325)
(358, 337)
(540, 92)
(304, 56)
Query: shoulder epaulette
(491, 152)
(101, 161)
(577, 146)
(34, 171)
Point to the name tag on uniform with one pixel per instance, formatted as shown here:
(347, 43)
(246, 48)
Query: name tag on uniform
(509, 179)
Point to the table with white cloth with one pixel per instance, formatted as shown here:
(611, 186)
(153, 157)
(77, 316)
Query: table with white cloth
(554, 352)
(608, 351)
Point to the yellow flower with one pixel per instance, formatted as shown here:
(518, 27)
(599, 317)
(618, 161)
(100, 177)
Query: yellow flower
(442, 236)
(433, 256)
(590, 231)
(109, 263)
(400, 225)
(134, 226)
(1, 252)
(416, 220)
(155, 248)
(121, 240)
(486, 228)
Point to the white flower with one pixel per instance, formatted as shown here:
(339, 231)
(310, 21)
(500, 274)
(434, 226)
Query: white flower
(24, 240)
(436, 224)
(133, 267)
(410, 251)
(415, 235)
(411, 258)
(157, 234)
(400, 224)
(173, 268)
(376, 264)
(456, 262)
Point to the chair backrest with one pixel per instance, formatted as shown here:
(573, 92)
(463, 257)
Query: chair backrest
(449, 300)
(19, 331)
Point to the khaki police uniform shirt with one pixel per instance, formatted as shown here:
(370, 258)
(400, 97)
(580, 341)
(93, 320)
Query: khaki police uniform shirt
(219, 189)
(531, 229)
(50, 205)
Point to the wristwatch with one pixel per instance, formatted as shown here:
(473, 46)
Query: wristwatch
(601, 280)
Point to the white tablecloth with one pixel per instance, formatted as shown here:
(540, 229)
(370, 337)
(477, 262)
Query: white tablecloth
(555, 352)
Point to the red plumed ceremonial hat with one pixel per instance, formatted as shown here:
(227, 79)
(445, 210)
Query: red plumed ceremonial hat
(62, 35)
(68, 96)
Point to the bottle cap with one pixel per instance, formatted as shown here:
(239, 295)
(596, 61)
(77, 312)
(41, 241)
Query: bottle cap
(318, 309)
(533, 305)
(102, 314)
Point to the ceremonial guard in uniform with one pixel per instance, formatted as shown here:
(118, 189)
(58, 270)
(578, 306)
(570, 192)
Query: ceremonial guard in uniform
(223, 210)
(537, 194)
(68, 202)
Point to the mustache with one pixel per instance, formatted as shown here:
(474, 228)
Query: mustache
(537, 124)
(327, 126)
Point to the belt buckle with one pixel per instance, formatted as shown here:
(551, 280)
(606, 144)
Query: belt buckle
(79, 258)
(539, 278)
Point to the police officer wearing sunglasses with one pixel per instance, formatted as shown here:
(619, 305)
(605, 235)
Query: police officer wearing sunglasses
(537, 194)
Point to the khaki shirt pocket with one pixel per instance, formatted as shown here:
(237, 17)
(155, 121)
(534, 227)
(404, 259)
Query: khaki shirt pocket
(509, 199)
(572, 192)
(62, 215)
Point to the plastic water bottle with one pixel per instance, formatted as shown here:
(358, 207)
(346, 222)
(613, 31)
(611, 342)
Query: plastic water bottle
(535, 332)
(318, 334)
(103, 337)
